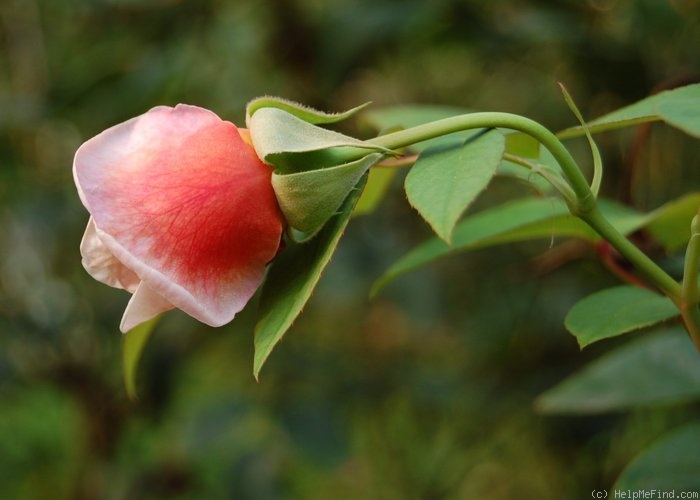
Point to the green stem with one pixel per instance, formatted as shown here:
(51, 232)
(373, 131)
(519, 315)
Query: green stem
(547, 174)
(685, 296)
(642, 263)
(583, 205)
(690, 297)
(692, 260)
(403, 138)
(691, 319)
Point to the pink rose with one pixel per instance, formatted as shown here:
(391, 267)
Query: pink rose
(183, 214)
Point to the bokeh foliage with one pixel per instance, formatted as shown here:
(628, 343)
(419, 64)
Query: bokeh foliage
(424, 392)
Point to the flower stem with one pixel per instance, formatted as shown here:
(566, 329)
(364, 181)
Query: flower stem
(583, 206)
(403, 138)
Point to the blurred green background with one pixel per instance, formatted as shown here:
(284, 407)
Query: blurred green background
(422, 393)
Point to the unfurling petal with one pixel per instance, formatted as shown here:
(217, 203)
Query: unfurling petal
(144, 305)
(180, 200)
(102, 264)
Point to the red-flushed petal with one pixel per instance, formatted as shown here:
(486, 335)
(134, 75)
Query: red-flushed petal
(102, 264)
(144, 305)
(179, 198)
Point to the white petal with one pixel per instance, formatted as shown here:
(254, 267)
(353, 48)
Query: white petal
(144, 305)
(102, 264)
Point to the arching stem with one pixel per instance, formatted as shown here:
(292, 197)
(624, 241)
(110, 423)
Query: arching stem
(403, 138)
(583, 206)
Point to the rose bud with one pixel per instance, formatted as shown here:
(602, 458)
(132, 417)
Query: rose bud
(183, 214)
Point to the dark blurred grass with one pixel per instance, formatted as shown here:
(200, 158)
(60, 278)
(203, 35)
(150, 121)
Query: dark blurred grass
(424, 392)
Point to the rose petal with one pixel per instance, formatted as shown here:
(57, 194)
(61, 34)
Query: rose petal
(144, 305)
(180, 199)
(102, 264)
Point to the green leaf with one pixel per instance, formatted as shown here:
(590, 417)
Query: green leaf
(475, 231)
(615, 311)
(522, 145)
(625, 219)
(378, 183)
(134, 341)
(658, 369)
(682, 110)
(280, 138)
(671, 464)
(518, 220)
(292, 278)
(309, 199)
(670, 223)
(679, 108)
(444, 182)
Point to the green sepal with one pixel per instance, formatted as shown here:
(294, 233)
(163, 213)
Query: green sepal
(301, 111)
(291, 144)
(292, 278)
(309, 199)
(310, 178)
